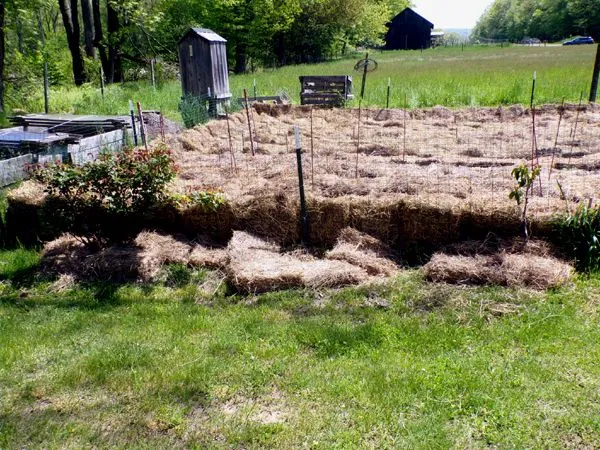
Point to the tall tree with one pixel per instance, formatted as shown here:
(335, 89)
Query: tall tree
(2, 47)
(70, 16)
(87, 17)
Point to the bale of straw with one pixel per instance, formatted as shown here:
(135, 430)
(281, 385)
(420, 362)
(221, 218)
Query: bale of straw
(506, 269)
(211, 258)
(273, 217)
(155, 250)
(462, 269)
(256, 265)
(537, 272)
(362, 250)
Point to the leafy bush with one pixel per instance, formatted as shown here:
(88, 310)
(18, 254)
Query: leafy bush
(524, 178)
(104, 200)
(579, 234)
(193, 110)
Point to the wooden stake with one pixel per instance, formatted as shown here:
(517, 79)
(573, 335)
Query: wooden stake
(404, 145)
(46, 88)
(358, 136)
(312, 150)
(142, 126)
(249, 124)
(231, 152)
(560, 116)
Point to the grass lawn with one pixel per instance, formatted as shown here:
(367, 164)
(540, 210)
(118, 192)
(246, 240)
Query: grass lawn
(407, 364)
(477, 76)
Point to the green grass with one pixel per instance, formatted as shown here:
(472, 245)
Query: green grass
(477, 76)
(104, 365)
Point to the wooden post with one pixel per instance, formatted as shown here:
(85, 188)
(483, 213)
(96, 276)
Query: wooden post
(303, 210)
(102, 81)
(358, 138)
(231, 152)
(142, 128)
(152, 73)
(560, 116)
(46, 87)
(254, 86)
(312, 150)
(249, 124)
(595, 76)
(405, 108)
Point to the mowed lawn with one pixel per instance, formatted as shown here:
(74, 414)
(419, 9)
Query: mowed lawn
(477, 76)
(405, 364)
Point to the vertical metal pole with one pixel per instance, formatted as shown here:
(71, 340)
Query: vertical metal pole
(303, 210)
(132, 114)
(46, 87)
(595, 75)
(364, 78)
(387, 103)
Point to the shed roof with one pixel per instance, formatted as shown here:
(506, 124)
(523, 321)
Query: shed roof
(412, 12)
(204, 33)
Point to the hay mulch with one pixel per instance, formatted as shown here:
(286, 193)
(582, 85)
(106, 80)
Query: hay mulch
(259, 266)
(530, 268)
(140, 261)
(249, 263)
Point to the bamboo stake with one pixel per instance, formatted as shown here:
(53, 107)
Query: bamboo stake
(560, 116)
(249, 124)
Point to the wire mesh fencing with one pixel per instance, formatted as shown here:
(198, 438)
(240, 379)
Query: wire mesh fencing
(455, 159)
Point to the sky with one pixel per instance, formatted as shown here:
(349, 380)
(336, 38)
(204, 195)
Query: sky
(451, 13)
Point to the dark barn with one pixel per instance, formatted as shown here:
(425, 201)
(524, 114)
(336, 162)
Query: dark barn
(408, 31)
(203, 64)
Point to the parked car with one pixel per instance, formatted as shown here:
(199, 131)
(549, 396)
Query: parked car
(579, 41)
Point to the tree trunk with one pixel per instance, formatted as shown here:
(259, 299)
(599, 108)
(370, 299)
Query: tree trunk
(1, 56)
(98, 35)
(88, 27)
(595, 76)
(68, 10)
(241, 57)
(114, 74)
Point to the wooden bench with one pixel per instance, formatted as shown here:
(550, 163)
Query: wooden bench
(325, 90)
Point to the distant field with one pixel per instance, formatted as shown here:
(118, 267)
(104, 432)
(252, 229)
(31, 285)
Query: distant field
(477, 76)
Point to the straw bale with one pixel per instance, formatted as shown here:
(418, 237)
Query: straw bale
(69, 256)
(211, 258)
(462, 269)
(506, 269)
(533, 271)
(363, 251)
(28, 193)
(258, 266)
(156, 249)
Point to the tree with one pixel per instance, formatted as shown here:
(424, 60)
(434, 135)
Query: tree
(70, 16)
(2, 51)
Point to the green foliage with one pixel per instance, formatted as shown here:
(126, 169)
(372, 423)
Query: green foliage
(193, 110)
(543, 19)
(206, 201)
(525, 179)
(100, 201)
(579, 234)
(522, 190)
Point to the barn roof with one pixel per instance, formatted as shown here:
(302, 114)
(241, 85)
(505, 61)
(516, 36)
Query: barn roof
(204, 33)
(411, 11)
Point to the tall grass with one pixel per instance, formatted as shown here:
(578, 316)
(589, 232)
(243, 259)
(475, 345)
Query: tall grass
(453, 77)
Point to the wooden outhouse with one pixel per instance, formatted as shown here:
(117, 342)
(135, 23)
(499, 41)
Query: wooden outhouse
(203, 65)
